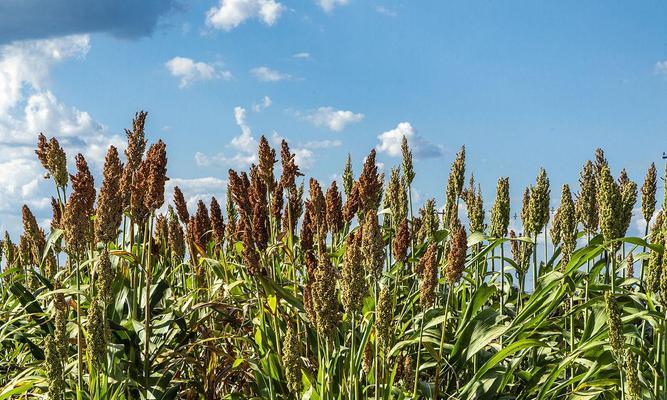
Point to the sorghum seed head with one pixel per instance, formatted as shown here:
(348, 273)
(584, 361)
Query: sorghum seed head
(402, 241)
(609, 204)
(277, 201)
(325, 298)
(42, 151)
(351, 203)
(109, 212)
(648, 193)
(348, 176)
(353, 280)
(54, 369)
(370, 186)
(217, 222)
(628, 190)
(250, 255)
(614, 324)
(97, 332)
(633, 385)
(267, 159)
(456, 258)
(56, 214)
(176, 237)
(428, 269)
(57, 163)
(383, 319)
(372, 247)
(500, 213)
(630, 266)
(260, 223)
(181, 205)
(290, 169)
(202, 226)
(539, 203)
(408, 169)
(292, 360)
(587, 207)
(104, 276)
(334, 212)
(567, 223)
(156, 159)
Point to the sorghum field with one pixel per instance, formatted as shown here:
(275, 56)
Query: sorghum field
(294, 288)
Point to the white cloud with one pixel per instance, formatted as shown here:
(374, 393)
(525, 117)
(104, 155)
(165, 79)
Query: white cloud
(28, 107)
(265, 103)
(335, 120)
(190, 71)
(661, 67)
(302, 56)
(231, 13)
(390, 142)
(266, 74)
(329, 5)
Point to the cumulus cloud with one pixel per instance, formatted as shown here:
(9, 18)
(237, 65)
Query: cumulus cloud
(390, 142)
(266, 74)
(335, 120)
(329, 5)
(190, 71)
(229, 14)
(38, 19)
(29, 107)
(661, 67)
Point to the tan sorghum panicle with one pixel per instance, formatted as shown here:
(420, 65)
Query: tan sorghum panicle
(325, 300)
(161, 230)
(428, 270)
(648, 193)
(156, 159)
(429, 222)
(181, 205)
(42, 151)
(600, 161)
(25, 251)
(633, 388)
(500, 213)
(614, 324)
(370, 187)
(54, 369)
(351, 204)
(472, 197)
(408, 169)
(96, 340)
(79, 208)
(334, 203)
(267, 159)
(568, 224)
(34, 234)
(514, 246)
(353, 277)
(372, 247)
(292, 360)
(408, 370)
(383, 319)
(109, 212)
(391, 193)
(176, 237)
(402, 241)
(348, 176)
(217, 222)
(539, 203)
(367, 361)
(630, 266)
(525, 211)
(654, 270)
(57, 163)
(586, 206)
(609, 204)
(454, 188)
(628, 190)
(104, 277)
(290, 169)
(84, 183)
(456, 258)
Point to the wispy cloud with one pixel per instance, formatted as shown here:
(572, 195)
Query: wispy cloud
(266, 74)
(386, 11)
(302, 56)
(265, 103)
(329, 5)
(190, 71)
(661, 67)
(229, 14)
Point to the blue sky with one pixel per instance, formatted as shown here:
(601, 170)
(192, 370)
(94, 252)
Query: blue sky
(521, 84)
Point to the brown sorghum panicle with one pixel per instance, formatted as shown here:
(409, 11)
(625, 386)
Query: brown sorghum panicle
(109, 212)
(290, 169)
(402, 241)
(648, 193)
(239, 188)
(56, 214)
(202, 226)
(57, 163)
(456, 258)
(83, 183)
(372, 247)
(267, 159)
(277, 200)
(260, 222)
(307, 229)
(232, 218)
(79, 208)
(334, 212)
(351, 204)
(370, 187)
(42, 151)
(136, 144)
(138, 192)
(161, 230)
(250, 255)
(428, 269)
(217, 222)
(514, 245)
(348, 176)
(181, 205)
(500, 213)
(319, 205)
(156, 160)
(353, 277)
